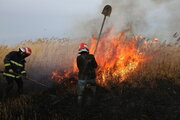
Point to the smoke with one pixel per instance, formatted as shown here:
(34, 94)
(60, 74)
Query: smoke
(150, 18)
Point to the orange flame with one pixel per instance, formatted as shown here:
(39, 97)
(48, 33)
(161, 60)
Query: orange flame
(117, 56)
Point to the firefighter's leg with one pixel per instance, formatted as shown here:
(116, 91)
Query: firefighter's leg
(91, 97)
(10, 83)
(93, 86)
(80, 90)
(20, 85)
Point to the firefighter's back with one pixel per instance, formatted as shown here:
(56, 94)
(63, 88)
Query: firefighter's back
(86, 64)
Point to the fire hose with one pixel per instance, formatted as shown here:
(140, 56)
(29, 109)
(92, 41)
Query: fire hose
(39, 83)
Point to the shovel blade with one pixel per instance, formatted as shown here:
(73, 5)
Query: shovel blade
(107, 10)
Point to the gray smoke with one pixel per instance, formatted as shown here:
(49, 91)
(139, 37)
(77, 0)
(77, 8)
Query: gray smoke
(150, 18)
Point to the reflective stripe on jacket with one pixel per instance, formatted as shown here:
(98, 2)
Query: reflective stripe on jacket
(11, 75)
(16, 63)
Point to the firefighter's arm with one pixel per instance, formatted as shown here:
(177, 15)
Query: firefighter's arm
(94, 62)
(23, 73)
(79, 62)
(22, 70)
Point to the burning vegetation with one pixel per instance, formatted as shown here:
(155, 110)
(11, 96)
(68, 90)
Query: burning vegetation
(118, 56)
(138, 79)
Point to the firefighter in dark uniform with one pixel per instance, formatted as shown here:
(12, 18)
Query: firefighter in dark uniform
(86, 64)
(14, 64)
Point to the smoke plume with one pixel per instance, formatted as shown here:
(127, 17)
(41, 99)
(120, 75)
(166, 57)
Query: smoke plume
(150, 18)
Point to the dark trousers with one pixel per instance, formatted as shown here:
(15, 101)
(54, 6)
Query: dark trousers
(81, 89)
(10, 84)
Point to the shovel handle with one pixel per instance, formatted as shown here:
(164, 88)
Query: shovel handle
(100, 34)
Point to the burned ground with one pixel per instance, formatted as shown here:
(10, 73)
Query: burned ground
(118, 102)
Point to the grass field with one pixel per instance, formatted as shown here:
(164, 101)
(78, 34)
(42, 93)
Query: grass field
(150, 92)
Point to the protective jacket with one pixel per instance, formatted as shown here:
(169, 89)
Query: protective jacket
(86, 64)
(14, 64)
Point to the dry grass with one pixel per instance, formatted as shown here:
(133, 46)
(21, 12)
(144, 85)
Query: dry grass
(47, 55)
(164, 65)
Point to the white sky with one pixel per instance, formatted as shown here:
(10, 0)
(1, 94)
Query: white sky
(31, 19)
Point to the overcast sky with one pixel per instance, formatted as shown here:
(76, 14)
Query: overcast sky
(31, 19)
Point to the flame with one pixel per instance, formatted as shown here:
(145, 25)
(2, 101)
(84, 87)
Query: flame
(118, 55)
(60, 77)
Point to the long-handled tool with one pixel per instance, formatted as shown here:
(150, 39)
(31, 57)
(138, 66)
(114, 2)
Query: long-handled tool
(39, 83)
(106, 12)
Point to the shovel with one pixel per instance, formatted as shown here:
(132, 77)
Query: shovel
(106, 12)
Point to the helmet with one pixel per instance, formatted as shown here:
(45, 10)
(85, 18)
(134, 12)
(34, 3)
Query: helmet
(83, 47)
(25, 51)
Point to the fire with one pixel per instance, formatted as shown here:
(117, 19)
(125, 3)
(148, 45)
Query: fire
(60, 77)
(118, 55)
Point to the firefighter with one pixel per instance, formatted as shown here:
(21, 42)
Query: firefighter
(14, 64)
(86, 64)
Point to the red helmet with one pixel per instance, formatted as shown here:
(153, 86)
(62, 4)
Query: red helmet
(83, 47)
(25, 51)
